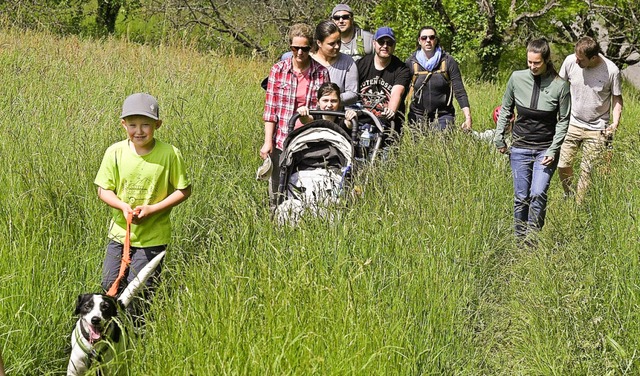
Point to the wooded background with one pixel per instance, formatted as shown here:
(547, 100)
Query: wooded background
(483, 35)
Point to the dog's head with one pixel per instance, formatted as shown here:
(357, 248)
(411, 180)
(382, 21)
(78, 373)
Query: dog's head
(95, 312)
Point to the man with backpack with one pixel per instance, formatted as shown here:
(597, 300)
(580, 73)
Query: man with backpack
(355, 41)
(436, 79)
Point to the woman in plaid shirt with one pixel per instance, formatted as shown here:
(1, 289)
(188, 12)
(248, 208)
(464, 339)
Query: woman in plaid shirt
(292, 83)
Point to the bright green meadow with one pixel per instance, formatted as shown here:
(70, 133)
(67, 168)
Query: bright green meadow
(418, 276)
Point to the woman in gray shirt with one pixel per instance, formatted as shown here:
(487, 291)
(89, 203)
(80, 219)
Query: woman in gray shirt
(342, 69)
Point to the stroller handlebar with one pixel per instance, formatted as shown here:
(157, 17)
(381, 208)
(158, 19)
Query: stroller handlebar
(360, 113)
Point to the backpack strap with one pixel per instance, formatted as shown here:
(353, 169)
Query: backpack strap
(416, 72)
(445, 73)
(443, 70)
(412, 89)
(359, 43)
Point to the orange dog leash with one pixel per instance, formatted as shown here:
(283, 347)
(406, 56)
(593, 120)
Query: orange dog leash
(126, 258)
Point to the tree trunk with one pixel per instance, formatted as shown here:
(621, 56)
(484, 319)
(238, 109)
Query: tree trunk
(107, 15)
(490, 49)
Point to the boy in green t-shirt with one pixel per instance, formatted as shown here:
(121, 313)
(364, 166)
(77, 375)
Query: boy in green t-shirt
(144, 177)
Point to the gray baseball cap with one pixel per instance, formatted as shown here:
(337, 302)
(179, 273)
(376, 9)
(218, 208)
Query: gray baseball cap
(141, 104)
(341, 7)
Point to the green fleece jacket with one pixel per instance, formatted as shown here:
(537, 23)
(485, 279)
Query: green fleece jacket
(542, 105)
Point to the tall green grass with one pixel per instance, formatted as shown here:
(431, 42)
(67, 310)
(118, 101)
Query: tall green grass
(420, 275)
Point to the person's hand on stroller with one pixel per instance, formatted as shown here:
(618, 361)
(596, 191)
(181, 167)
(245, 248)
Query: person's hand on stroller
(304, 118)
(303, 111)
(349, 115)
(388, 113)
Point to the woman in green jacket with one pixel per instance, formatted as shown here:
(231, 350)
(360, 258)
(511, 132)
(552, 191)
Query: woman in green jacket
(542, 103)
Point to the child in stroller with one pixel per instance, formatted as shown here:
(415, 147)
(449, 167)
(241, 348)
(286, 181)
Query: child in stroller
(317, 157)
(364, 135)
(328, 100)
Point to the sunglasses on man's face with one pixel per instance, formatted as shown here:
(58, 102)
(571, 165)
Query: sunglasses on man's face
(304, 49)
(342, 17)
(425, 37)
(388, 42)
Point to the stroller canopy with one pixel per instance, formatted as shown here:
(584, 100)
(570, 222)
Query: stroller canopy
(315, 163)
(319, 144)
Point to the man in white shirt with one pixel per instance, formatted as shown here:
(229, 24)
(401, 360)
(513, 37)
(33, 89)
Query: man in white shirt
(596, 107)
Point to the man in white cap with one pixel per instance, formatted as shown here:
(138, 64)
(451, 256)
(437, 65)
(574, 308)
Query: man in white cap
(383, 79)
(355, 41)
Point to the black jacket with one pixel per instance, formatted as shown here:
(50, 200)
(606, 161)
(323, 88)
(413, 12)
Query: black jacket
(434, 92)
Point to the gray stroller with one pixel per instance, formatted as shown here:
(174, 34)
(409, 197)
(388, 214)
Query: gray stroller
(317, 162)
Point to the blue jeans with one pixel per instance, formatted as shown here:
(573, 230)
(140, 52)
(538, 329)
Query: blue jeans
(441, 123)
(531, 182)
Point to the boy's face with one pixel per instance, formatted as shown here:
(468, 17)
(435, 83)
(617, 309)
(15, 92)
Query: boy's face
(329, 102)
(140, 130)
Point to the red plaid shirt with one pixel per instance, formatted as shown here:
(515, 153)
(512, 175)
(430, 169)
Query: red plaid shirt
(280, 101)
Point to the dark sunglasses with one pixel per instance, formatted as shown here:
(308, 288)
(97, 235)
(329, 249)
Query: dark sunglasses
(343, 17)
(305, 49)
(388, 42)
(430, 37)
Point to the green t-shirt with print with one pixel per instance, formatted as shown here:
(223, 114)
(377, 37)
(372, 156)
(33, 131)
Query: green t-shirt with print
(139, 180)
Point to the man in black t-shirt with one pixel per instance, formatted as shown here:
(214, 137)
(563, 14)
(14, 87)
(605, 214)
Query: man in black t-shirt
(383, 79)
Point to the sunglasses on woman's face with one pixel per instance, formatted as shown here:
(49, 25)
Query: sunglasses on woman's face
(342, 17)
(425, 37)
(304, 49)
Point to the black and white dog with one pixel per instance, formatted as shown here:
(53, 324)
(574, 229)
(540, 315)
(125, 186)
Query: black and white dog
(97, 335)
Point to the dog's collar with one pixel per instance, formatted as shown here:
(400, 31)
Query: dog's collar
(83, 334)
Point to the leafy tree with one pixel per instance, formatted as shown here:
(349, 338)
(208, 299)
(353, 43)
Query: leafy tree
(108, 11)
(614, 24)
(474, 31)
(483, 30)
(257, 27)
(58, 16)
(253, 26)
(107, 14)
(67, 16)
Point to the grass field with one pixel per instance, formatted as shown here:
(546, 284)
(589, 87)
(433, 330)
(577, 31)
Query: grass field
(420, 276)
